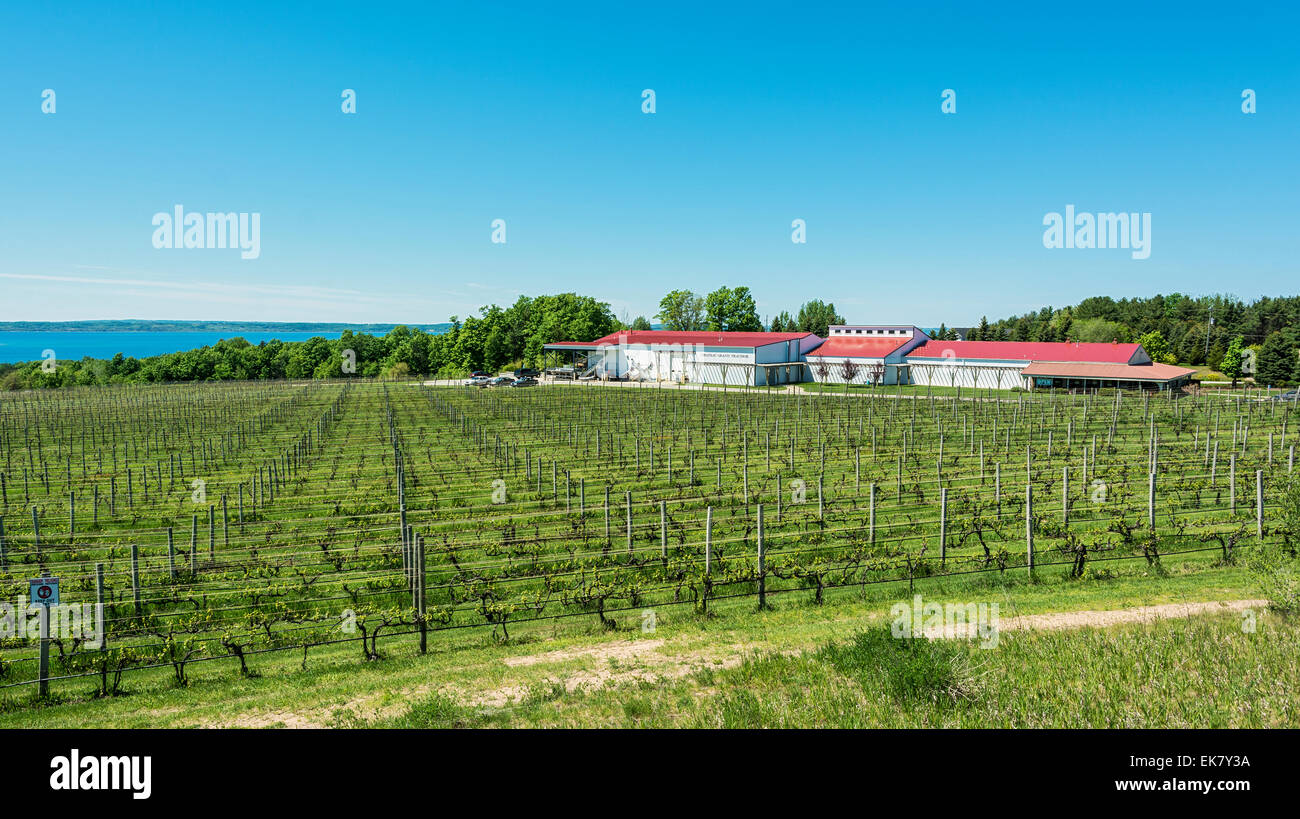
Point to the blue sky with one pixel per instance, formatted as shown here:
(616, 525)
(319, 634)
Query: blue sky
(766, 113)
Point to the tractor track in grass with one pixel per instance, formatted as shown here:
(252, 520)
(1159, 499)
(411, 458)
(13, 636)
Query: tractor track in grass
(1055, 621)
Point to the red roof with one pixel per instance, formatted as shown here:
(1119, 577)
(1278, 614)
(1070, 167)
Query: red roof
(859, 347)
(1119, 372)
(712, 339)
(1029, 351)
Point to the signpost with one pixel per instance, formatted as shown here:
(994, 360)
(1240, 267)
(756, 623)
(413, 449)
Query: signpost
(45, 593)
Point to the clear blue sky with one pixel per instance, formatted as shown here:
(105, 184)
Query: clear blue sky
(471, 112)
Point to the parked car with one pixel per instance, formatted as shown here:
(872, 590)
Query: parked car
(476, 381)
(499, 381)
(479, 374)
(524, 382)
(1288, 396)
(527, 372)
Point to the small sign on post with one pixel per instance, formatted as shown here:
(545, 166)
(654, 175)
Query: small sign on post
(45, 591)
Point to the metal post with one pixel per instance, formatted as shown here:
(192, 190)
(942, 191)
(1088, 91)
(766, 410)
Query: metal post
(943, 527)
(871, 531)
(1232, 484)
(1029, 525)
(99, 606)
(135, 578)
(1151, 500)
(44, 671)
(1065, 495)
(663, 529)
(762, 572)
(419, 569)
(708, 539)
(1259, 504)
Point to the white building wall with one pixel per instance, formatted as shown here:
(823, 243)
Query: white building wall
(836, 371)
(668, 362)
(974, 374)
(711, 372)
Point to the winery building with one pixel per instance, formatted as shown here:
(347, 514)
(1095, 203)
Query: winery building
(864, 354)
(705, 357)
(1001, 365)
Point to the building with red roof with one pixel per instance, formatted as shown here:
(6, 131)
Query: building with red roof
(1026, 351)
(1074, 375)
(1042, 364)
(705, 356)
(873, 354)
(864, 353)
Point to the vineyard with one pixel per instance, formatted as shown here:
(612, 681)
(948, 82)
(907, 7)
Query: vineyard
(225, 522)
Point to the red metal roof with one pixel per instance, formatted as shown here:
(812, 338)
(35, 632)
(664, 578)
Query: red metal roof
(1107, 372)
(1029, 351)
(859, 346)
(712, 339)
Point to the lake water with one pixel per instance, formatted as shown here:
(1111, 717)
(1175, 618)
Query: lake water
(72, 345)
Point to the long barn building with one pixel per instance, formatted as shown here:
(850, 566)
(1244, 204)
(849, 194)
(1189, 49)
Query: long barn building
(1003, 365)
(705, 357)
(875, 354)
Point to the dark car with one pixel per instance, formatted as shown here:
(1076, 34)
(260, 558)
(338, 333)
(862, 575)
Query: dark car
(499, 381)
(527, 372)
(479, 374)
(524, 382)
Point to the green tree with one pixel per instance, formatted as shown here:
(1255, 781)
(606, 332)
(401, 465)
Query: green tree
(1100, 330)
(1231, 363)
(1191, 347)
(496, 353)
(816, 317)
(731, 309)
(681, 310)
(640, 323)
(1276, 362)
(1157, 347)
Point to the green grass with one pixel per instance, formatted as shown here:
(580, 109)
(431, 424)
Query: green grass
(325, 546)
(337, 688)
(1201, 672)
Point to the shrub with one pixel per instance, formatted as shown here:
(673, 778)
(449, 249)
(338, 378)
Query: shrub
(911, 669)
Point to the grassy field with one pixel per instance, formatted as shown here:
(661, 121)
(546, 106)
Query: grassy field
(317, 534)
(580, 672)
(1201, 672)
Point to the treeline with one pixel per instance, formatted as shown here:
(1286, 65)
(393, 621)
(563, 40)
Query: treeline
(1268, 327)
(490, 341)
(734, 309)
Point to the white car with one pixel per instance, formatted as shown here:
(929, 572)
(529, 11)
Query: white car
(476, 381)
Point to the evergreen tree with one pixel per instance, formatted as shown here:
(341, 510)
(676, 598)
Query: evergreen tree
(1277, 361)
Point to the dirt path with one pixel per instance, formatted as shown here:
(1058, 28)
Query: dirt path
(1102, 619)
(610, 667)
(631, 661)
